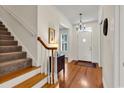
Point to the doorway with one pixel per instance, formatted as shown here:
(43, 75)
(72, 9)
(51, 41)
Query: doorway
(85, 45)
(63, 41)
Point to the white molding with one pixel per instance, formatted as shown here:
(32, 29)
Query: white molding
(20, 79)
(104, 83)
(20, 21)
(117, 47)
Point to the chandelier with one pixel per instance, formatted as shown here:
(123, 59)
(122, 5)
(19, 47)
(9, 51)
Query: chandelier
(80, 26)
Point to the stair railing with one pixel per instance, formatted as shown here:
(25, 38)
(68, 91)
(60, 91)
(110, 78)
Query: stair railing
(51, 48)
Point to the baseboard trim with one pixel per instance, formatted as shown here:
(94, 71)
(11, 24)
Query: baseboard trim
(41, 83)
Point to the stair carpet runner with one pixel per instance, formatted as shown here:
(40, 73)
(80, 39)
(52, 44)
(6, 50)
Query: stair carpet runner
(12, 57)
(13, 60)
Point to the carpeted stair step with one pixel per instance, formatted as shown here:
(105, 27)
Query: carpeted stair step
(3, 28)
(1, 25)
(6, 37)
(12, 56)
(5, 33)
(6, 49)
(14, 65)
(1, 22)
(8, 42)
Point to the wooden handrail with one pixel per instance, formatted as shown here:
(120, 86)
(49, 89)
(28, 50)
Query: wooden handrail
(47, 47)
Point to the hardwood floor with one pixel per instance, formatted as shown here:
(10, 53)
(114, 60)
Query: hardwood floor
(77, 76)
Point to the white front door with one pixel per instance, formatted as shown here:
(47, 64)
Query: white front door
(84, 46)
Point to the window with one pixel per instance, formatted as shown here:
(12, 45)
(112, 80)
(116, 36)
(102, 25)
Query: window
(64, 42)
(88, 29)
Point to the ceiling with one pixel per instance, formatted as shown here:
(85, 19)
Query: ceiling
(90, 12)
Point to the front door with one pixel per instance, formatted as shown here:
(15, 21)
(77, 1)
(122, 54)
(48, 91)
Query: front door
(84, 46)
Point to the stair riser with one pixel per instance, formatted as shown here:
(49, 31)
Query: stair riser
(5, 33)
(10, 49)
(8, 43)
(6, 38)
(9, 57)
(10, 68)
(3, 28)
(2, 25)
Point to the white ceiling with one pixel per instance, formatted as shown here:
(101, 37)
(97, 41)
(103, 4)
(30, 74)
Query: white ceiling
(90, 12)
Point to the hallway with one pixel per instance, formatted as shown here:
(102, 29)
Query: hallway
(77, 76)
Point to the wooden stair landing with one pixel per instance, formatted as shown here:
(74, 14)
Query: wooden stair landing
(32, 81)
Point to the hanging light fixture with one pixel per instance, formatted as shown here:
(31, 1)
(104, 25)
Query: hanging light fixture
(80, 26)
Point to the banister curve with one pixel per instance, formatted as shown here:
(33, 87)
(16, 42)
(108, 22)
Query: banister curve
(45, 46)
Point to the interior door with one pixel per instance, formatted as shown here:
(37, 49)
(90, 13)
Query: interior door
(84, 46)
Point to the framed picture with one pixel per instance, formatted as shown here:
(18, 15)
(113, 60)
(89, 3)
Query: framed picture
(51, 36)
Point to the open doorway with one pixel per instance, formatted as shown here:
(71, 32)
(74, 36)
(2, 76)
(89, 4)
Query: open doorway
(63, 41)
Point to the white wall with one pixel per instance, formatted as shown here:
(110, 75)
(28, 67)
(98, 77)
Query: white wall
(107, 47)
(121, 46)
(28, 13)
(21, 22)
(74, 44)
(48, 16)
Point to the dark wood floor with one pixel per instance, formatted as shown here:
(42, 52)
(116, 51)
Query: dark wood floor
(77, 76)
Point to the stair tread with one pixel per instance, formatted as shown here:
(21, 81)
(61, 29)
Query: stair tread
(13, 61)
(9, 49)
(3, 27)
(2, 40)
(9, 46)
(1, 31)
(16, 74)
(5, 35)
(12, 53)
(31, 81)
(7, 40)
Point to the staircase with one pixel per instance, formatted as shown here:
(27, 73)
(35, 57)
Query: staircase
(16, 68)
